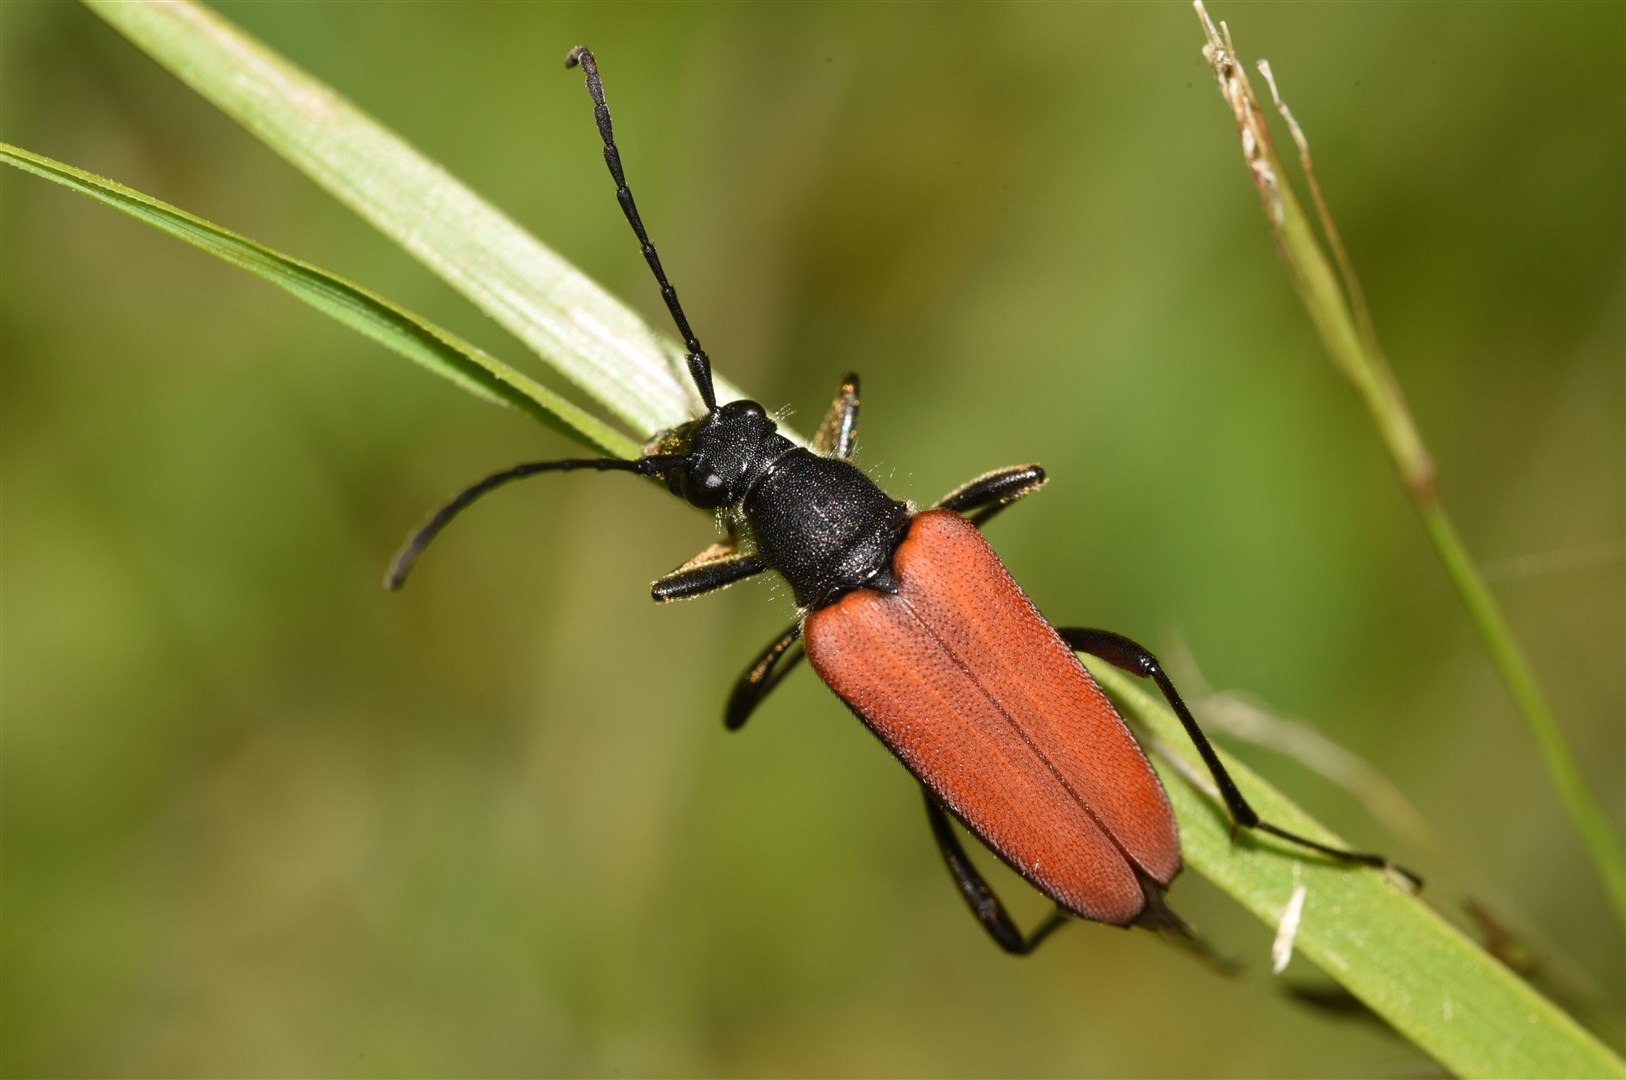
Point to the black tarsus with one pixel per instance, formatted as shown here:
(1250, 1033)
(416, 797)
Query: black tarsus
(1136, 659)
(699, 363)
(979, 895)
(403, 562)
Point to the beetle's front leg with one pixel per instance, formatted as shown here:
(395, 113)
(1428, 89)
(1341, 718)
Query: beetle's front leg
(719, 565)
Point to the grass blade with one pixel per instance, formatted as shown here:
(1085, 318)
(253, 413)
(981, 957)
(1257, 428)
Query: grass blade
(464, 364)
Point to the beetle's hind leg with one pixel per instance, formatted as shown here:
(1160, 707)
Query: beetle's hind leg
(1138, 660)
(979, 895)
(776, 661)
(988, 494)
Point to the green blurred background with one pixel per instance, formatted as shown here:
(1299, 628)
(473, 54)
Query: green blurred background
(262, 818)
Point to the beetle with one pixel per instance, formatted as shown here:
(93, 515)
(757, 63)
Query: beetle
(913, 621)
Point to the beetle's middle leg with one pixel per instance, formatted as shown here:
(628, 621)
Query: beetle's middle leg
(765, 673)
(988, 494)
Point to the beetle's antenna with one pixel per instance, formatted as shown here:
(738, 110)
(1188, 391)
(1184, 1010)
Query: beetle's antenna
(408, 556)
(699, 363)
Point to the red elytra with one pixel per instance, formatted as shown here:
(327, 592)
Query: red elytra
(967, 683)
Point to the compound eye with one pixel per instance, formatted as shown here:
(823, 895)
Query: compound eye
(706, 488)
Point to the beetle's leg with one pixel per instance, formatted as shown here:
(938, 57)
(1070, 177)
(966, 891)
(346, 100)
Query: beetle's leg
(840, 425)
(990, 493)
(713, 568)
(979, 896)
(776, 661)
(1137, 660)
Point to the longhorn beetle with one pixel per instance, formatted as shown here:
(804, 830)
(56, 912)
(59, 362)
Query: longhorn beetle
(912, 620)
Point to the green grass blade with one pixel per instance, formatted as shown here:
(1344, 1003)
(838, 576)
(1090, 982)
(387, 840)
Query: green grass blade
(587, 335)
(1447, 995)
(362, 311)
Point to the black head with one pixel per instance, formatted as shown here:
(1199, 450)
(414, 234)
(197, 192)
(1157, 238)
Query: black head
(721, 454)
